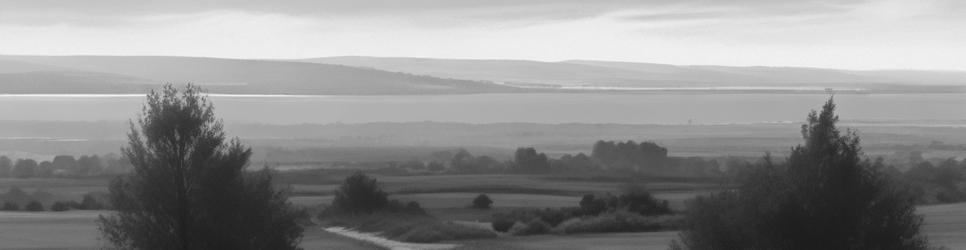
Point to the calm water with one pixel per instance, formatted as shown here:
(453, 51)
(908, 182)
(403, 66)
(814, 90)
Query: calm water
(489, 108)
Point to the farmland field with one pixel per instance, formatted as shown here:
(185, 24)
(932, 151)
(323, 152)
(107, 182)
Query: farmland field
(945, 224)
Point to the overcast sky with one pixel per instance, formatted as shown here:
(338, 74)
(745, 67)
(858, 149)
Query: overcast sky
(851, 34)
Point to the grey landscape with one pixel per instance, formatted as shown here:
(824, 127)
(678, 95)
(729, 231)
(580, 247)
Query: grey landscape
(482, 125)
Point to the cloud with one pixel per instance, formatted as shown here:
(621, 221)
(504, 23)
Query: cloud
(104, 12)
(861, 34)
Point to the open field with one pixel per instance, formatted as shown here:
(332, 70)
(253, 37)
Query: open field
(498, 183)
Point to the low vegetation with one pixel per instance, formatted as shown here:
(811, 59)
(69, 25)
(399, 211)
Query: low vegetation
(361, 204)
(634, 210)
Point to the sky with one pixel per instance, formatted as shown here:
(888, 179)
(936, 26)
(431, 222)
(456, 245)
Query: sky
(847, 34)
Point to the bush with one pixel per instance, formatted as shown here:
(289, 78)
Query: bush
(10, 206)
(482, 201)
(60, 206)
(534, 226)
(409, 227)
(360, 193)
(34, 206)
(619, 222)
(502, 224)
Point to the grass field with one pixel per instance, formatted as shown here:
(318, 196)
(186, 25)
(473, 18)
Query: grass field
(945, 226)
(444, 196)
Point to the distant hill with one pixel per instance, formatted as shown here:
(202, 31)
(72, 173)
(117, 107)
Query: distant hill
(134, 74)
(585, 73)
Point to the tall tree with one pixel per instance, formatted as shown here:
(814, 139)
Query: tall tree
(824, 197)
(189, 188)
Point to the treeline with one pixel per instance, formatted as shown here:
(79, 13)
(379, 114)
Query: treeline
(944, 182)
(629, 157)
(64, 166)
(16, 199)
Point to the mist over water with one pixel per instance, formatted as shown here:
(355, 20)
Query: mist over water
(648, 108)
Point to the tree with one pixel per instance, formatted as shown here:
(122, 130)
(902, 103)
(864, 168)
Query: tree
(24, 168)
(360, 193)
(88, 165)
(64, 164)
(527, 160)
(6, 166)
(823, 197)
(482, 201)
(189, 188)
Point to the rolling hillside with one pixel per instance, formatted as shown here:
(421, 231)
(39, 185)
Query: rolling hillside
(134, 74)
(590, 74)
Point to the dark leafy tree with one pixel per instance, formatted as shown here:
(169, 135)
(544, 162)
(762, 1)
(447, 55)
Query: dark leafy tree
(189, 188)
(529, 161)
(360, 193)
(6, 166)
(88, 165)
(482, 201)
(823, 197)
(24, 168)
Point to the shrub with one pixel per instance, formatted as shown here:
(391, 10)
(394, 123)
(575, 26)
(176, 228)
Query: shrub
(502, 224)
(360, 193)
(619, 222)
(409, 227)
(34, 206)
(592, 205)
(534, 226)
(482, 201)
(60, 206)
(10, 206)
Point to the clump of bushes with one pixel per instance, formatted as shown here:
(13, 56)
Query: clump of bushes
(532, 227)
(362, 205)
(635, 210)
(620, 222)
(482, 201)
(360, 193)
(503, 222)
